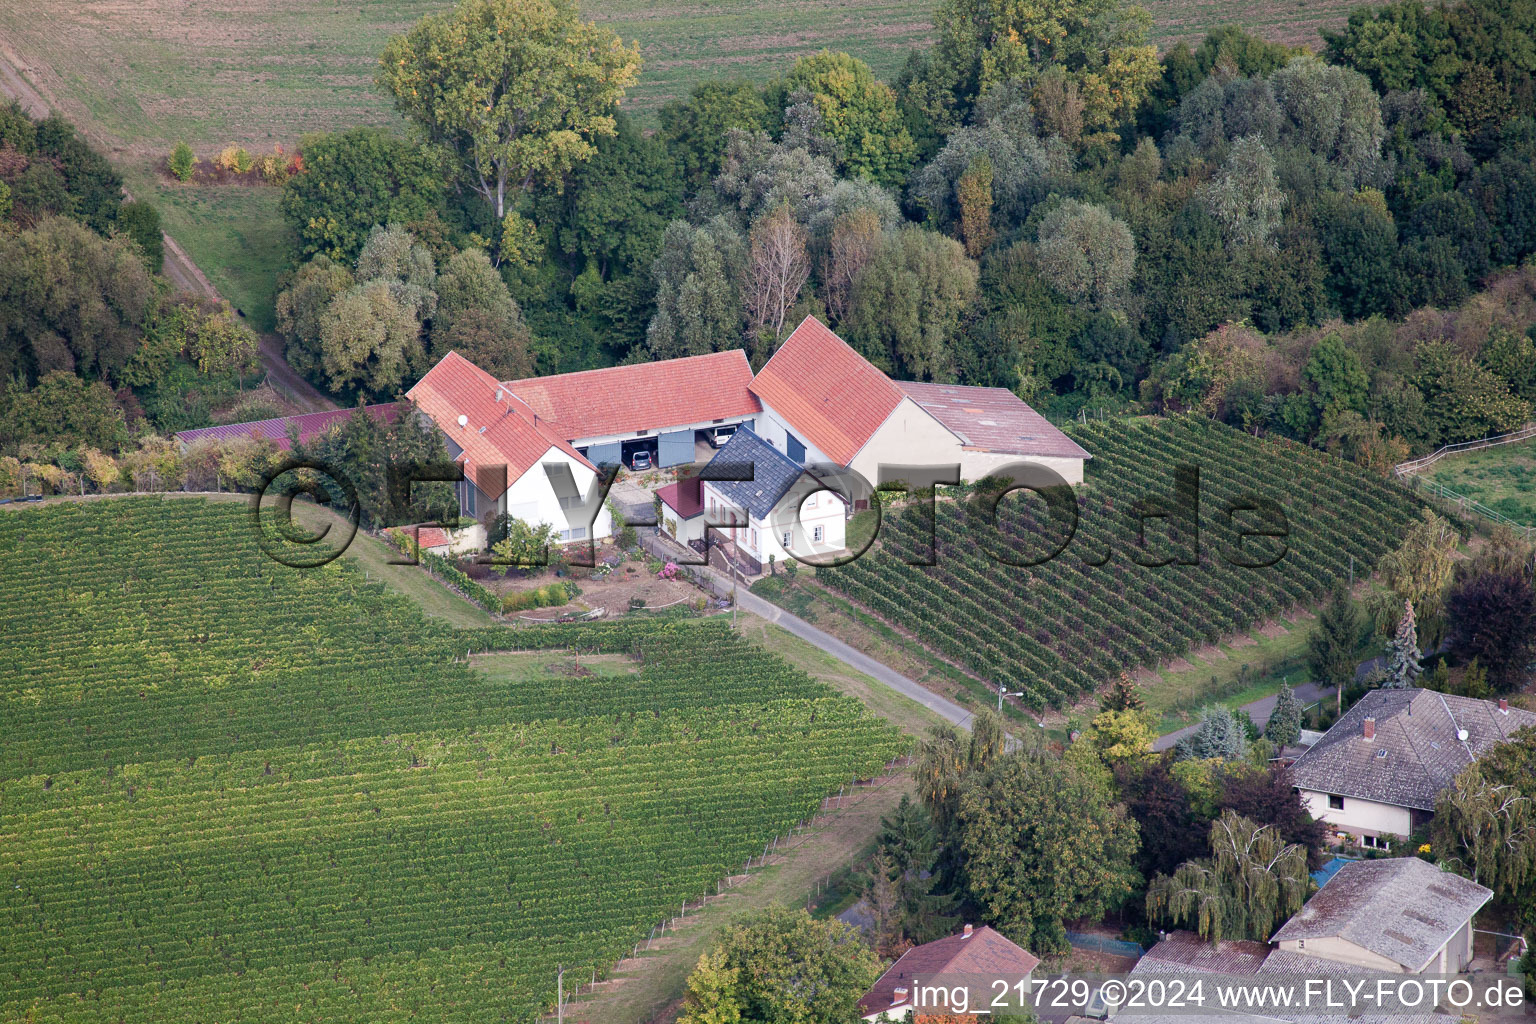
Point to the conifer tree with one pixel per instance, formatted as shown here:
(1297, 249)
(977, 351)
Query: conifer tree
(1403, 653)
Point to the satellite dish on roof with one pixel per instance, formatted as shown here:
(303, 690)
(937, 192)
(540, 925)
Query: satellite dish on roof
(1461, 734)
(463, 420)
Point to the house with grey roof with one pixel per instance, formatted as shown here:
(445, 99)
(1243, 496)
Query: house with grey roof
(1401, 915)
(1185, 955)
(1376, 774)
(759, 505)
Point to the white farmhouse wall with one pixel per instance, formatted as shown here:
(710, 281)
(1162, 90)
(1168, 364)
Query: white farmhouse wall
(763, 537)
(773, 428)
(1360, 816)
(532, 498)
(583, 442)
(910, 436)
(680, 529)
(976, 465)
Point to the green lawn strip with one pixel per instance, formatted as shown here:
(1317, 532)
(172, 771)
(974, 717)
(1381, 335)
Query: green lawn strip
(1503, 478)
(233, 233)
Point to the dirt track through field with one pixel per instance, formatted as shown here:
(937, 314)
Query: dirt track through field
(179, 268)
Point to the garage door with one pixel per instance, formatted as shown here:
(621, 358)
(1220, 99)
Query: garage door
(603, 454)
(676, 448)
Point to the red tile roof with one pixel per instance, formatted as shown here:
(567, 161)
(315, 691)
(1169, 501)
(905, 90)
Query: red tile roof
(276, 429)
(683, 497)
(984, 953)
(992, 420)
(642, 396)
(501, 429)
(832, 396)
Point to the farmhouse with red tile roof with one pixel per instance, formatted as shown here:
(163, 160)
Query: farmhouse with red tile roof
(532, 448)
(825, 403)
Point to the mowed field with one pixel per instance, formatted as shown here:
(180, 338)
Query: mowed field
(140, 76)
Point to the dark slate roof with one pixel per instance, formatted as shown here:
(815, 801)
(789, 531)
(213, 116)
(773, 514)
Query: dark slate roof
(1403, 908)
(1418, 730)
(773, 473)
(984, 953)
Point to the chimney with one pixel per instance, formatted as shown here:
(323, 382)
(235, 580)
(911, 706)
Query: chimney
(1503, 705)
(899, 996)
(967, 933)
(1368, 729)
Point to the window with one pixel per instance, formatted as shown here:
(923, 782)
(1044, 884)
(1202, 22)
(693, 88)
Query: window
(1335, 802)
(575, 533)
(752, 540)
(1376, 842)
(818, 533)
(787, 536)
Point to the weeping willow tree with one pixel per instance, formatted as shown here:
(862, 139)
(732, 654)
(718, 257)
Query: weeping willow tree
(1487, 831)
(1252, 881)
(945, 759)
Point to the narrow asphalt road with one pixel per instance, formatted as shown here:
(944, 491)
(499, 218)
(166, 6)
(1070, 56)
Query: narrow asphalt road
(853, 658)
(1259, 710)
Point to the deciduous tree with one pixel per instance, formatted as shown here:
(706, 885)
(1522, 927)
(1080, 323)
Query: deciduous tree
(777, 268)
(517, 89)
(1044, 842)
(1252, 882)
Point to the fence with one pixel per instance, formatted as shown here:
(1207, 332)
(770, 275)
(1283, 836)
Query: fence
(1099, 944)
(1470, 505)
(1413, 466)
(1407, 472)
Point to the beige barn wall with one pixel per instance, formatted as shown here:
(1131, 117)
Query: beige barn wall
(1360, 816)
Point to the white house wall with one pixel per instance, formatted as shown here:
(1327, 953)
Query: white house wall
(910, 436)
(821, 509)
(774, 428)
(1360, 817)
(656, 431)
(976, 465)
(532, 498)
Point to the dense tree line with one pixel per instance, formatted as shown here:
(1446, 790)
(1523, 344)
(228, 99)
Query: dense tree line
(1315, 245)
(95, 347)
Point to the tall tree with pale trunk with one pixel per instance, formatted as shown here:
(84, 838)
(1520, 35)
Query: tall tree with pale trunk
(518, 89)
(778, 268)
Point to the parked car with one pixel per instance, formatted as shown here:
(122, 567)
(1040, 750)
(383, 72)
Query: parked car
(640, 460)
(720, 435)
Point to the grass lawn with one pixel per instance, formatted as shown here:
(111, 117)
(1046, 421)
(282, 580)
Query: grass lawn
(1247, 672)
(1503, 478)
(232, 232)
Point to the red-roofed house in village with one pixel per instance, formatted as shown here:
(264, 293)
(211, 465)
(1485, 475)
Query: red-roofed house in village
(974, 959)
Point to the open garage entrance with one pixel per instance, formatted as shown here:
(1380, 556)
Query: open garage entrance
(629, 449)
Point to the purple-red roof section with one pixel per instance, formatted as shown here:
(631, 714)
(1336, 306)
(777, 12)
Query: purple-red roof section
(276, 430)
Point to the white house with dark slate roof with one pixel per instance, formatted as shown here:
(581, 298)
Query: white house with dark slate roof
(763, 507)
(1377, 772)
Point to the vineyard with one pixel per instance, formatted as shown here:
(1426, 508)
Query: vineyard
(1057, 629)
(238, 791)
